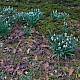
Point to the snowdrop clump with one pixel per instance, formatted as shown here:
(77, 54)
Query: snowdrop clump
(63, 44)
(58, 15)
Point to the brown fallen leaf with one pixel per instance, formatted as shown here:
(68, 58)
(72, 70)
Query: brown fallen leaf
(46, 65)
(46, 77)
(19, 72)
(44, 46)
(36, 58)
(25, 58)
(71, 71)
(9, 68)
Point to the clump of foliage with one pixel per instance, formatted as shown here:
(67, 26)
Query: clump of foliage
(3, 28)
(7, 11)
(58, 15)
(63, 44)
(30, 17)
(21, 17)
(6, 21)
(33, 17)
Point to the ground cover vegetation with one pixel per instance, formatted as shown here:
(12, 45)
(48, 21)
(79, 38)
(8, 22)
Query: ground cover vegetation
(39, 40)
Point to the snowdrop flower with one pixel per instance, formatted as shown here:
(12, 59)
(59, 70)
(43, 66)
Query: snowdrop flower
(57, 38)
(65, 34)
(71, 35)
(6, 22)
(56, 11)
(53, 11)
(52, 38)
(65, 23)
(62, 41)
(74, 38)
(5, 77)
(67, 39)
(59, 43)
(66, 43)
(64, 46)
(24, 26)
(54, 34)
(26, 72)
(59, 47)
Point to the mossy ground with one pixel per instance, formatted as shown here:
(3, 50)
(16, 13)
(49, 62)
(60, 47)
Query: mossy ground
(47, 6)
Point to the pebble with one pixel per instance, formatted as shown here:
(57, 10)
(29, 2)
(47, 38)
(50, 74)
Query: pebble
(1, 45)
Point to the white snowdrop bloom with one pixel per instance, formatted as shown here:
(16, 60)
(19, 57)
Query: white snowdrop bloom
(71, 35)
(52, 38)
(22, 12)
(64, 46)
(54, 34)
(57, 38)
(65, 34)
(67, 39)
(64, 23)
(26, 72)
(59, 13)
(6, 22)
(62, 41)
(31, 13)
(56, 11)
(59, 43)
(59, 47)
(53, 11)
(68, 36)
(24, 26)
(5, 77)
(38, 10)
(66, 43)
(74, 38)
(23, 19)
(0, 15)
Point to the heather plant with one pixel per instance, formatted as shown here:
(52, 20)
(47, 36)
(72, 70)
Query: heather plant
(63, 44)
(59, 15)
